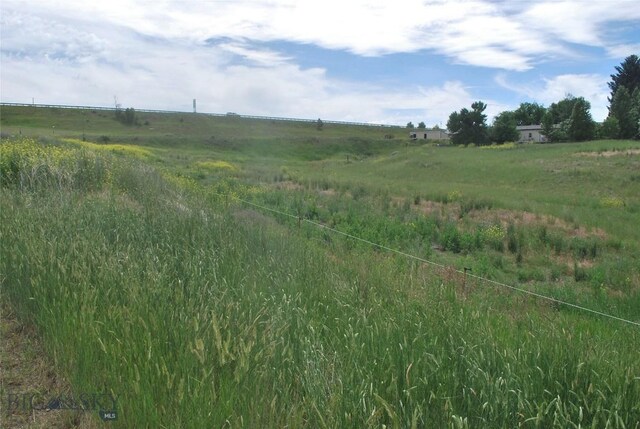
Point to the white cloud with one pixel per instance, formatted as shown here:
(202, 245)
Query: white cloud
(475, 32)
(162, 54)
(592, 87)
(577, 21)
(623, 50)
(32, 36)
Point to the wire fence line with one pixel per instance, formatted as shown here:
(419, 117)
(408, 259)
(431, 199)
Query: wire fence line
(432, 263)
(227, 115)
(336, 231)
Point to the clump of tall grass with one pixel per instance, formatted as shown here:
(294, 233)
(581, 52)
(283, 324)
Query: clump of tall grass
(29, 165)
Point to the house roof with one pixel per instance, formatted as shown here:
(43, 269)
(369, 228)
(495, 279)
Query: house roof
(427, 130)
(529, 127)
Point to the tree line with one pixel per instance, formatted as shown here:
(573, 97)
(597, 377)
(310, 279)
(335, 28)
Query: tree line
(566, 120)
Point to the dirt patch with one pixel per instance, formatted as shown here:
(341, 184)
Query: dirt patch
(328, 192)
(429, 207)
(522, 218)
(610, 153)
(288, 185)
(25, 371)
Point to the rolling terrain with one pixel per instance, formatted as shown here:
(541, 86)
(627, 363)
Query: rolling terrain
(231, 272)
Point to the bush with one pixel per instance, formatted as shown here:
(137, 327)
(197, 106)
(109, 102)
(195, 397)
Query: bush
(450, 238)
(467, 242)
(494, 237)
(427, 228)
(126, 117)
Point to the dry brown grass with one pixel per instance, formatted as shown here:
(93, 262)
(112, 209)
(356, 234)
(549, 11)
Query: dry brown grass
(25, 370)
(610, 153)
(523, 218)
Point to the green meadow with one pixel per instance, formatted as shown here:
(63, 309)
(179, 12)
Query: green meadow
(190, 266)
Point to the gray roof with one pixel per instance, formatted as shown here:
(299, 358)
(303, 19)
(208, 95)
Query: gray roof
(529, 127)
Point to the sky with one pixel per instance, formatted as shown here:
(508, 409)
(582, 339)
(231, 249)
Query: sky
(376, 61)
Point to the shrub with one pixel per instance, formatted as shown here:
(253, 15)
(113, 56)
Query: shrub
(467, 242)
(450, 238)
(494, 237)
(126, 116)
(427, 228)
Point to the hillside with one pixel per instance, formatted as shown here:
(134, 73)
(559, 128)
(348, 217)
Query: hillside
(216, 271)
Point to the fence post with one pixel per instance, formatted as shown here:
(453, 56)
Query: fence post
(464, 280)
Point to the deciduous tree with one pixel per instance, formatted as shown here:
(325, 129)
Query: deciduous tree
(529, 114)
(504, 128)
(557, 121)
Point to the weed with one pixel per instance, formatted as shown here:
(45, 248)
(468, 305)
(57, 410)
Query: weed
(450, 238)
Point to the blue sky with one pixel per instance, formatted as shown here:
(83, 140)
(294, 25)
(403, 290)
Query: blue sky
(354, 60)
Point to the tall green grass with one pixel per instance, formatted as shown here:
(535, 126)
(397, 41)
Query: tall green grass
(197, 312)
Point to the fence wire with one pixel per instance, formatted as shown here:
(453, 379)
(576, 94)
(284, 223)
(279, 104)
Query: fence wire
(432, 263)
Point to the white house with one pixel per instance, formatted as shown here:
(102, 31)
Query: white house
(531, 133)
(425, 134)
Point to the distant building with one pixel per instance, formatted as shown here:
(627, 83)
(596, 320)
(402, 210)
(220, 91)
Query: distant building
(531, 133)
(425, 134)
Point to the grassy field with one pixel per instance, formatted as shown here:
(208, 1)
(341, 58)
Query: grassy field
(135, 254)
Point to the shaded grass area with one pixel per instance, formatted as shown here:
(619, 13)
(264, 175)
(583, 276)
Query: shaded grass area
(198, 312)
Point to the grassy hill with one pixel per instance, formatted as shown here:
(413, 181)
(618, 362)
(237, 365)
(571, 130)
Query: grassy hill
(185, 265)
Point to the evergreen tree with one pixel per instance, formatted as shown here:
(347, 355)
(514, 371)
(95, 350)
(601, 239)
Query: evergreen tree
(610, 128)
(581, 125)
(635, 101)
(623, 110)
(469, 126)
(548, 126)
(628, 75)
